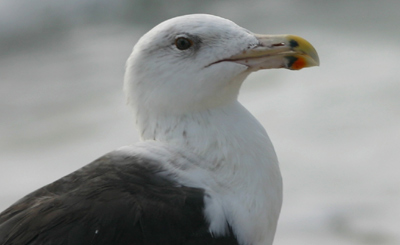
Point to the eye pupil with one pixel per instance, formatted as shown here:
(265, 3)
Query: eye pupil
(183, 43)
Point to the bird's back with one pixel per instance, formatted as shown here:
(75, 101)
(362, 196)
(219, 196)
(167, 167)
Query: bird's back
(117, 199)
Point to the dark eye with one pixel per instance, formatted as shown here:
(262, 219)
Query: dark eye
(183, 43)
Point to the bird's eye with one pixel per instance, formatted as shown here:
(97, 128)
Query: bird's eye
(183, 43)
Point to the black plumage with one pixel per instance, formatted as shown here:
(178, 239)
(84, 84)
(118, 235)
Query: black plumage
(117, 199)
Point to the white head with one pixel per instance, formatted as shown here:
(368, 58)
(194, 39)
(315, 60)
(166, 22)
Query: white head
(162, 77)
(199, 61)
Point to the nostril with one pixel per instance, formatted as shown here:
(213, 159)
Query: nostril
(278, 44)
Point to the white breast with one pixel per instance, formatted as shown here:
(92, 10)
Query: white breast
(237, 167)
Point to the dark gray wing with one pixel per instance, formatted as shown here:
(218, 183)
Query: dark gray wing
(113, 200)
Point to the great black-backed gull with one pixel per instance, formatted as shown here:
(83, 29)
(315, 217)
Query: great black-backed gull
(205, 171)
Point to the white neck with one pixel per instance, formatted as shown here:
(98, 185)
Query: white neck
(238, 154)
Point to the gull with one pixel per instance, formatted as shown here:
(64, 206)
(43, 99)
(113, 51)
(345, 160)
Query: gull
(205, 170)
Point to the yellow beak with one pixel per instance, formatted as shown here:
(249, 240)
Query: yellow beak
(278, 51)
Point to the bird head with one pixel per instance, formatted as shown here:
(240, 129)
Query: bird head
(198, 62)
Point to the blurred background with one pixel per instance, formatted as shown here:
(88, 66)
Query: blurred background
(335, 128)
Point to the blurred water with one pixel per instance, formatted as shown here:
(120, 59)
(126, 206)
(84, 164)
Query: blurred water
(335, 128)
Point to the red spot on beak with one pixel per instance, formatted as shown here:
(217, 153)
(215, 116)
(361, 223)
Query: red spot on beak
(300, 63)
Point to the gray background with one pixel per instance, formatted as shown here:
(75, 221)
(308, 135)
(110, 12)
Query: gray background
(335, 128)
